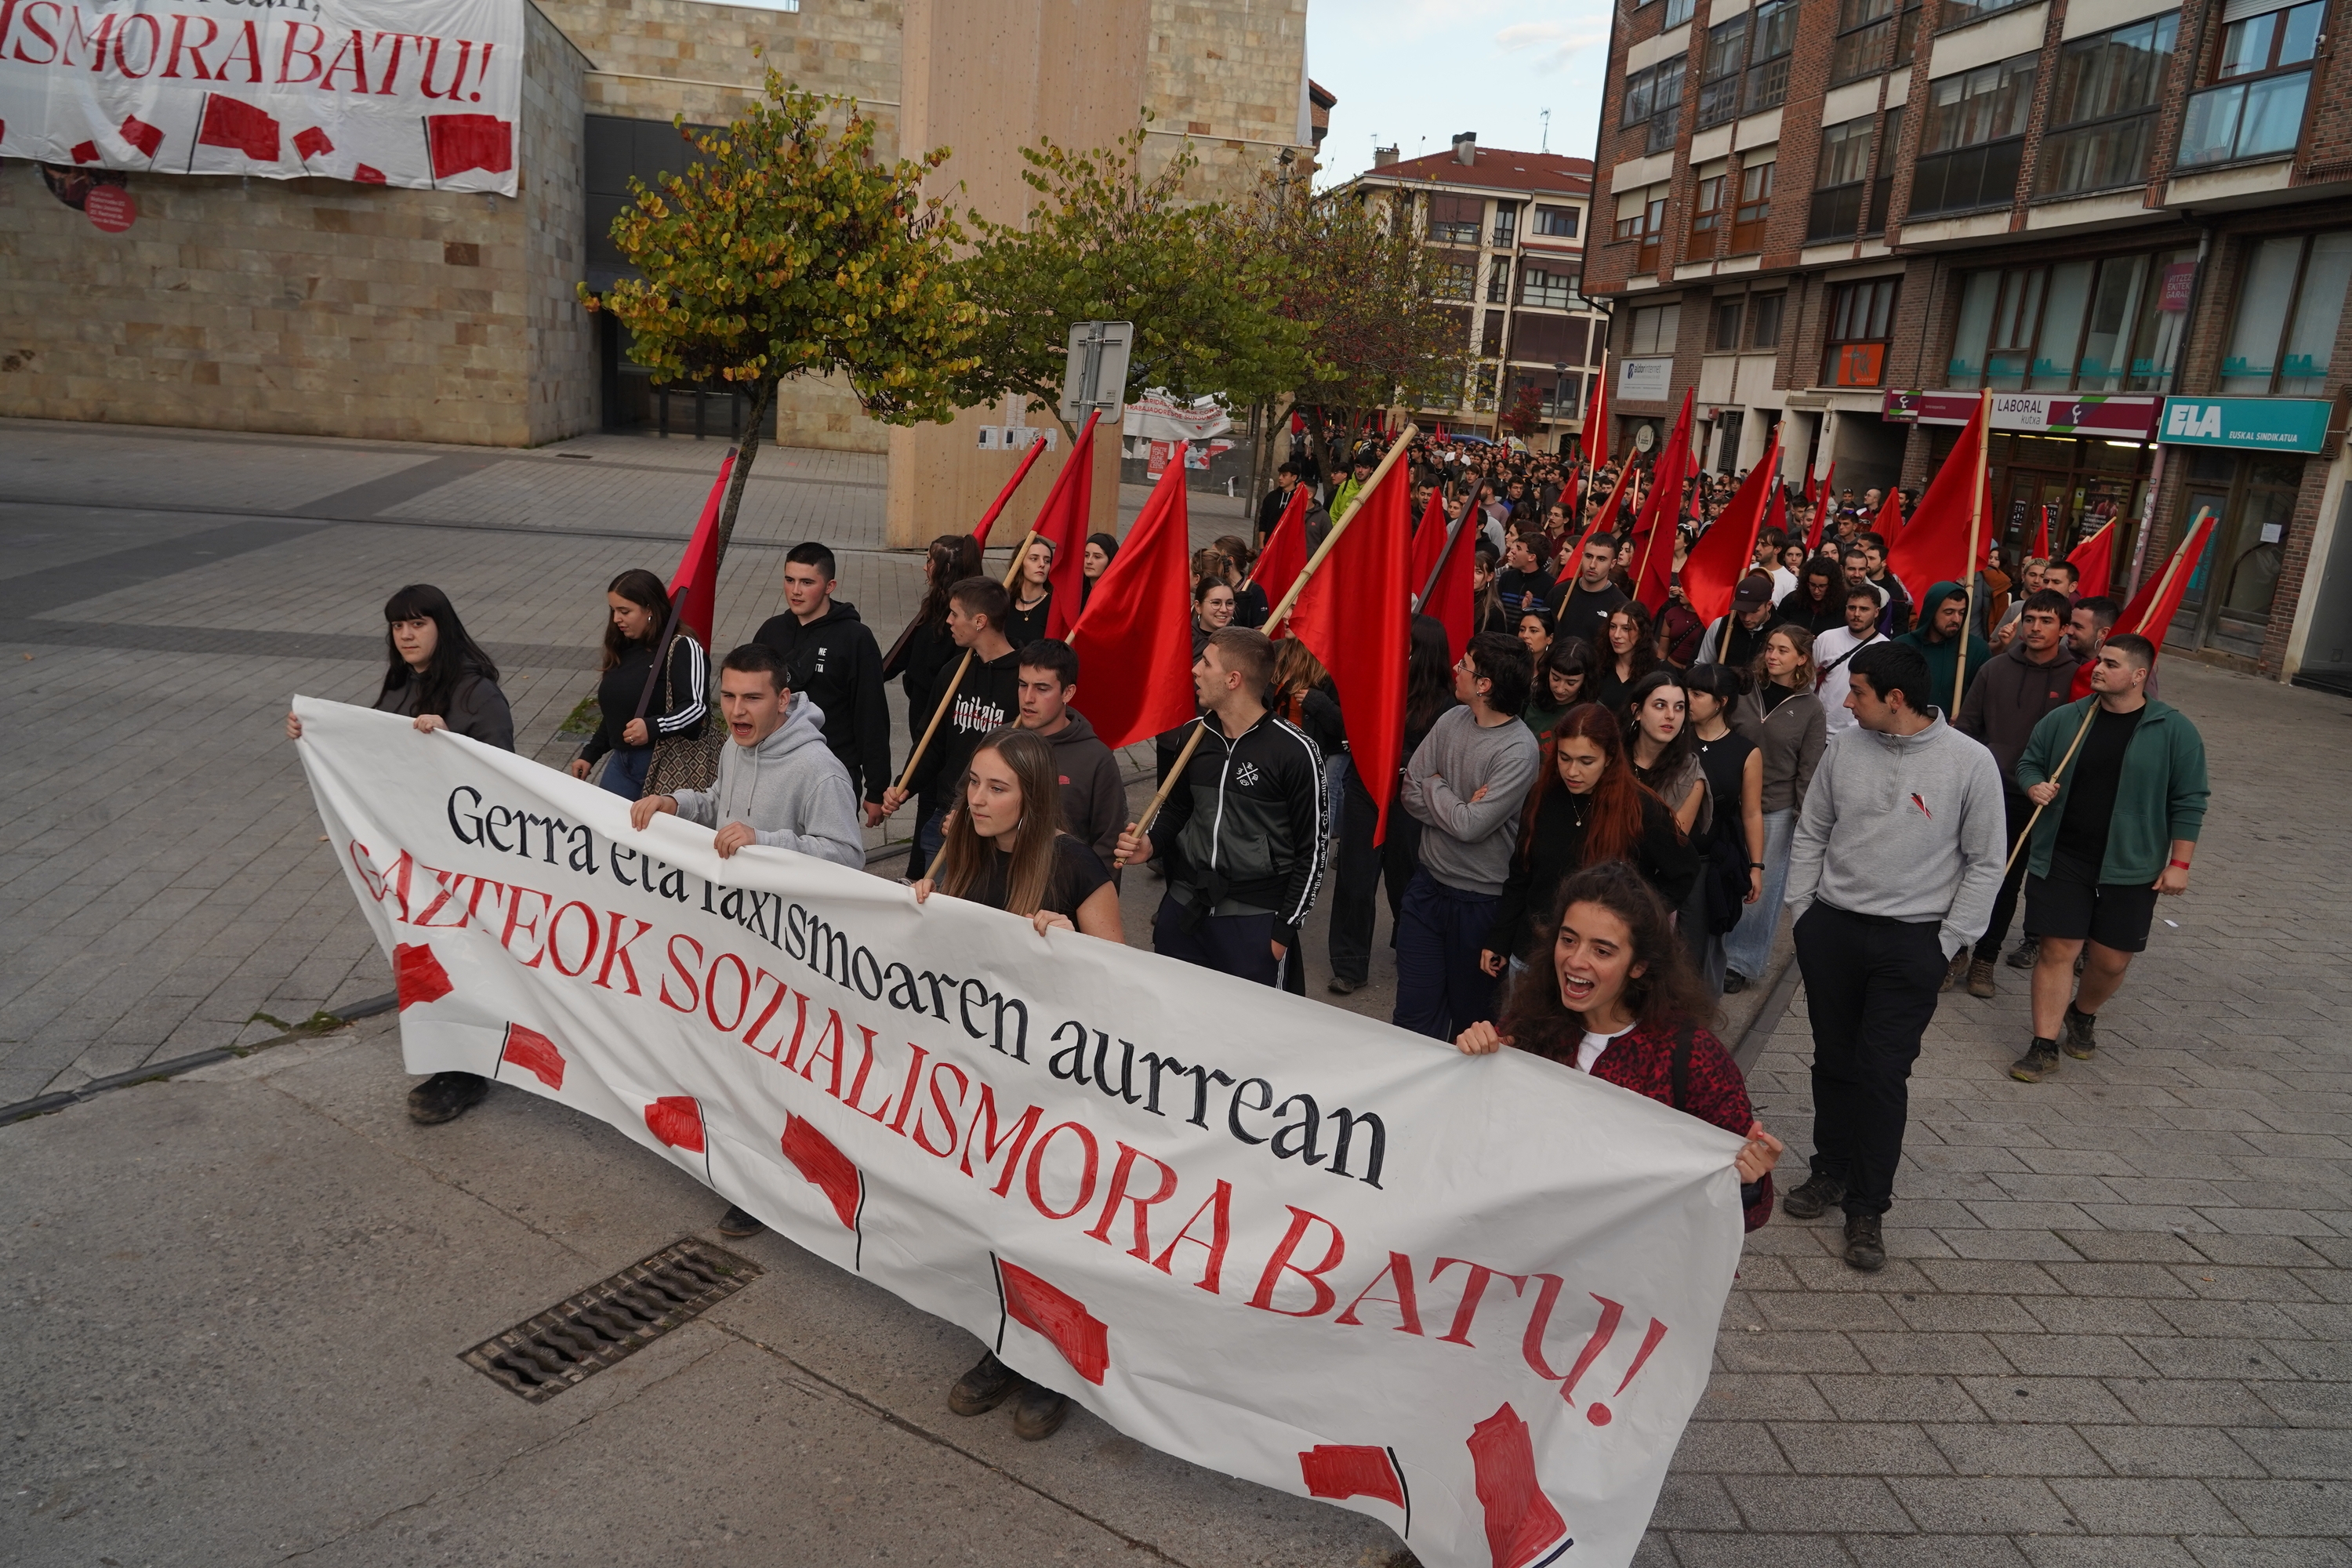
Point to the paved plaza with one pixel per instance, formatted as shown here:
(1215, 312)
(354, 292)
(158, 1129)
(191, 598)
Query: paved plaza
(2116, 1326)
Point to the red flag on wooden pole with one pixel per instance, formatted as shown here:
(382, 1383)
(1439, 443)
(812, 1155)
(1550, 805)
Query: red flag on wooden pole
(2094, 560)
(1654, 561)
(2152, 608)
(1285, 555)
(988, 520)
(1936, 547)
(1725, 552)
(1452, 598)
(695, 590)
(1134, 642)
(1428, 539)
(1356, 616)
(1061, 522)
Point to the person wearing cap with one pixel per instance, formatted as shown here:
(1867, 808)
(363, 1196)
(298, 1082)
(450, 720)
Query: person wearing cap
(1736, 638)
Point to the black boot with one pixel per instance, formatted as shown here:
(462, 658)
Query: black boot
(988, 1384)
(446, 1096)
(1816, 1196)
(1865, 1248)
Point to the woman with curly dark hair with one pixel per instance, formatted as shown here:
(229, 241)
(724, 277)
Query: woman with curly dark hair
(1619, 1001)
(1632, 653)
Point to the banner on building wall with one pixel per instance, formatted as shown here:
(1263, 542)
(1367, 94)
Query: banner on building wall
(421, 94)
(1474, 1298)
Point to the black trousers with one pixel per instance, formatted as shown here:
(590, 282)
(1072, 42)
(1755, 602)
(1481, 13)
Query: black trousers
(1362, 866)
(1870, 984)
(2004, 904)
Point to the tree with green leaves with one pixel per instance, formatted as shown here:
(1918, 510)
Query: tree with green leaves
(791, 249)
(1106, 242)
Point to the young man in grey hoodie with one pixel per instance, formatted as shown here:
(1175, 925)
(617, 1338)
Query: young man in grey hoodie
(1094, 793)
(779, 783)
(1896, 858)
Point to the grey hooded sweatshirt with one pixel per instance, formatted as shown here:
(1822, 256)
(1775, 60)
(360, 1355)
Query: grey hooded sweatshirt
(790, 789)
(1905, 827)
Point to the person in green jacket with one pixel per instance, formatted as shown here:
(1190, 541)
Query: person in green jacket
(2118, 826)
(1937, 635)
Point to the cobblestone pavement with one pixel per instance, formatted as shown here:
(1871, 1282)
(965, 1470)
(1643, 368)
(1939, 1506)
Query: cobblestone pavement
(2114, 1327)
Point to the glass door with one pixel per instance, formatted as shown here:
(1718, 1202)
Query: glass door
(2211, 476)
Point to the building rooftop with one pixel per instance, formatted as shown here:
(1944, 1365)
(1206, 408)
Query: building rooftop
(1496, 169)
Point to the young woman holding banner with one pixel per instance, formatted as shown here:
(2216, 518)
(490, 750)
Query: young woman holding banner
(1006, 849)
(637, 609)
(1622, 1003)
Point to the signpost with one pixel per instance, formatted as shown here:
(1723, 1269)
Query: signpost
(1096, 378)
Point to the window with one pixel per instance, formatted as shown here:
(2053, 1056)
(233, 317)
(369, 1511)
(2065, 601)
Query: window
(1882, 188)
(1754, 210)
(1861, 324)
(1556, 290)
(1974, 138)
(1746, 67)
(1549, 340)
(1706, 216)
(1555, 223)
(2106, 326)
(1453, 279)
(2288, 308)
(1728, 315)
(2103, 109)
(1679, 11)
(2262, 77)
(1506, 224)
(1840, 181)
(1864, 27)
(1907, 33)
(1655, 95)
(1764, 320)
(1498, 280)
(1655, 328)
(1453, 220)
(1961, 12)
(1641, 217)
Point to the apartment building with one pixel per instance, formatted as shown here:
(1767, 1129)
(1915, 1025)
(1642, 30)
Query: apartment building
(1507, 233)
(2130, 220)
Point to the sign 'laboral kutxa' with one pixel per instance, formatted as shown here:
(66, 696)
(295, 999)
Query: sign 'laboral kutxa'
(1474, 1298)
(424, 93)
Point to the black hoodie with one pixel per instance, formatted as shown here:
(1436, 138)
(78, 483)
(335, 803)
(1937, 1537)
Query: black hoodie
(987, 698)
(835, 663)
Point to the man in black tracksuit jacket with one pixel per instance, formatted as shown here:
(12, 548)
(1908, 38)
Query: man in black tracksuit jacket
(831, 659)
(1250, 816)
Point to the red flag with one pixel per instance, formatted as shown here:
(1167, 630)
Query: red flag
(1776, 515)
(1935, 547)
(1428, 540)
(1341, 1471)
(825, 1167)
(1727, 552)
(229, 123)
(1134, 642)
(1821, 508)
(140, 134)
(697, 569)
(1356, 615)
(1083, 1339)
(461, 141)
(312, 143)
(980, 529)
(677, 1121)
(2040, 550)
(2094, 558)
(1521, 1521)
(1285, 555)
(1061, 522)
(1889, 521)
(2151, 610)
(1592, 440)
(1654, 563)
(1605, 519)
(535, 1054)
(418, 975)
(1452, 599)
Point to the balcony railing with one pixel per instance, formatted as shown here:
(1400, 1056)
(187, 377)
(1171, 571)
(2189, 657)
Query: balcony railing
(2258, 118)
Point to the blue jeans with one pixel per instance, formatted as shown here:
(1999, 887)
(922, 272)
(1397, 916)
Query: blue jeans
(1748, 948)
(1441, 990)
(624, 771)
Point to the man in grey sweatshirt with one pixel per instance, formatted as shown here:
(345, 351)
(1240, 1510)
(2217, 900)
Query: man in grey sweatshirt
(1465, 783)
(778, 784)
(1896, 860)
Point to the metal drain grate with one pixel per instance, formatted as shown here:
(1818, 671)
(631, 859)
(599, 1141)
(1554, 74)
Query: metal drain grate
(543, 1356)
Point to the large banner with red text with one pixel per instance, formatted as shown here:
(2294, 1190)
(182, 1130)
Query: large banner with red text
(425, 93)
(1473, 1296)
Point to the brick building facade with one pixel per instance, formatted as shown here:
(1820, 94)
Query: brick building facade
(2130, 221)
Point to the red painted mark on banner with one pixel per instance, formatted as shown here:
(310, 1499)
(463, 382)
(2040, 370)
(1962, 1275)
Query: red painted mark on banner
(1083, 1339)
(418, 975)
(1599, 1413)
(677, 1121)
(147, 138)
(1341, 1471)
(311, 143)
(1521, 1521)
(535, 1054)
(367, 175)
(1611, 1313)
(86, 152)
(825, 1166)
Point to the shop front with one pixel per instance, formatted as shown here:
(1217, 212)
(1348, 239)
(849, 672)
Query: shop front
(2245, 461)
(2077, 462)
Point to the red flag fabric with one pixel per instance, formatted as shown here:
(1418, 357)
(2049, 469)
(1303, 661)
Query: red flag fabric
(1935, 547)
(988, 521)
(1521, 1521)
(461, 141)
(535, 1054)
(312, 143)
(1605, 520)
(1083, 1339)
(2094, 558)
(1653, 563)
(1889, 521)
(697, 570)
(1134, 642)
(1356, 616)
(1592, 441)
(1428, 540)
(1341, 1471)
(1725, 552)
(230, 122)
(2040, 550)
(1061, 522)
(677, 1121)
(1452, 599)
(1776, 512)
(1820, 509)
(418, 975)
(824, 1164)
(1285, 555)
(140, 134)
(2151, 610)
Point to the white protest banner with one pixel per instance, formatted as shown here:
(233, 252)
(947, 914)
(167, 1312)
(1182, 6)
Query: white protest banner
(1474, 1298)
(424, 93)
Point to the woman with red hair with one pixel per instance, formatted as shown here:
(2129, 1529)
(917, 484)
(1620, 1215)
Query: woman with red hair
(1586, 808)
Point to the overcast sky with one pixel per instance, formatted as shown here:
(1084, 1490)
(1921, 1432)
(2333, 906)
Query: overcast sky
(1412, 74)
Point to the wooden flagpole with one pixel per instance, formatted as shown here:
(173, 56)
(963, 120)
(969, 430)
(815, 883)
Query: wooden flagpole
(988, 519)
(1142, 825)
